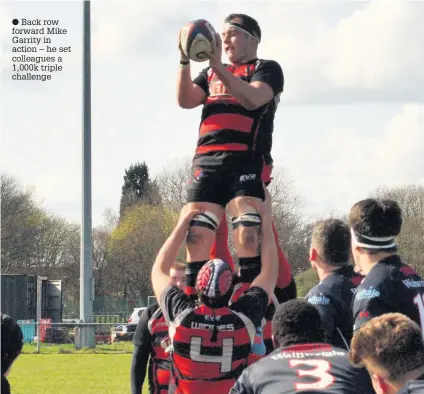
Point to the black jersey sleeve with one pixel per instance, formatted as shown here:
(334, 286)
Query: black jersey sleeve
(413, 386)
(372, 299)
(327, 310)
(202, 80)
(243, 385)
(173, 302)
(252, 304)
(270, 72)
(142, 335)
(142, 341)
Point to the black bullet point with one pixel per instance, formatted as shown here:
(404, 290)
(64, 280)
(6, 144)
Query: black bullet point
(15, 22)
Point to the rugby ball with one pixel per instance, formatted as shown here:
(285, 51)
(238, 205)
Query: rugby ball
(197, 39)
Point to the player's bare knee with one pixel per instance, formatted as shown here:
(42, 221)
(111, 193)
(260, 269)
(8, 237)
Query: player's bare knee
(246, 229)
(195, 236)
(249, 238)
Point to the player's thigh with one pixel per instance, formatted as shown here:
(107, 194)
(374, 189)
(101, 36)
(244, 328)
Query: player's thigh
(205, 191)
(244, 190)
(207, 188)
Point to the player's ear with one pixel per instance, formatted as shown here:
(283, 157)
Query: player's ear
(379, 384)
(357, 249)
(313, 254)
(275, 342)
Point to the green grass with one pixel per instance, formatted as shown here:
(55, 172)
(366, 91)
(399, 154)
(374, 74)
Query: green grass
(305, 281)
(71, 374)
(48, 348)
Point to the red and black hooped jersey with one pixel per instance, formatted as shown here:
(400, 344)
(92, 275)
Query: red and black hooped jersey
(161, 360)
(150, 334)
(210, 346)
(309, 368)
(226, 126)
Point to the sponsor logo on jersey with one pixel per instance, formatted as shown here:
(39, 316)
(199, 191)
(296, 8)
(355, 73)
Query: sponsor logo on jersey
(319, 300)
(204, 326)
(413, 283)
(367, 294)
(285, 355)
(249, 177)
(212, 318)
(364, 315)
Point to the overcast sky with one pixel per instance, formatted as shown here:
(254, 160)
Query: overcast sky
(351, 116)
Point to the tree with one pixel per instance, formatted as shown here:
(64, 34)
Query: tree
(101, 267)
(36, 242)
(294, 233)
(410, 241)
(138, 188)
(173, 184)
(20, 219)
(133, 247)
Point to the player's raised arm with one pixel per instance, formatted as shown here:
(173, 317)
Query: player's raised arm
(269, 257)
(190, 94)
(167, 255)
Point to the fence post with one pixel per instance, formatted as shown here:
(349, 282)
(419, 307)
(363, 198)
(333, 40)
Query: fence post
(38, 336)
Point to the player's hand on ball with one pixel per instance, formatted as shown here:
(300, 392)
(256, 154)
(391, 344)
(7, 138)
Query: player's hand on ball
(183, 57)
(216, 55)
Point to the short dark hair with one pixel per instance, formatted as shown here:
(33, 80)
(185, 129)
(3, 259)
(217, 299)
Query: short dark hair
(297, 322)
(178, 266)
(391, 342)
(332, 237)
(376, 218)
(12, 342)
(247, 23)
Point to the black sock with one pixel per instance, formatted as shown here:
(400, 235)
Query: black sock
(192, 269)
(250, 268)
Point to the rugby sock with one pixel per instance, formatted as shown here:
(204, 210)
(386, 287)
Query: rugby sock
(220, 249)
(286, 293)
(192, 269)
(284, 270)
(250, 268)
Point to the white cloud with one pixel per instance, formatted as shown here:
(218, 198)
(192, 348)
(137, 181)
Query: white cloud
(344, 165)
(375, 47)
(371, 52)
(331, 53)
(5, 23)
(400, 158)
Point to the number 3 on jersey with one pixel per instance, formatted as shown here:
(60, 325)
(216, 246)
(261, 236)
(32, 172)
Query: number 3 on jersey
(319, 369)
(225, 359)
(419, 302)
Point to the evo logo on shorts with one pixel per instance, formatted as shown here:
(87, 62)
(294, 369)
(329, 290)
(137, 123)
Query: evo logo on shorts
(249, 177)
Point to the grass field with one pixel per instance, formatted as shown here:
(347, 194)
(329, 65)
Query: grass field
(71, 374)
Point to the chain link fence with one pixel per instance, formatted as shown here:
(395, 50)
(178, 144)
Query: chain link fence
(43, 336)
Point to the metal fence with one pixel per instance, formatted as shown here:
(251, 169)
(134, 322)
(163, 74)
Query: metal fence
(43, 336)
(101, 318)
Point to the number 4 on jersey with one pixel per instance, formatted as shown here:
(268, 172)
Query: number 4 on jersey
(419, 302)
(225, 360)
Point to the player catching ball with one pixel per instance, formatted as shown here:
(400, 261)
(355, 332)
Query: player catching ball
(234, 140)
